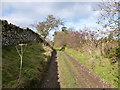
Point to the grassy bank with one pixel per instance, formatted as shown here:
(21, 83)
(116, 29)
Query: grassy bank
(99, 65)
(34, 65)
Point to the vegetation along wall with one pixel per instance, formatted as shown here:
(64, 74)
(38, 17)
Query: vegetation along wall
(35, 57)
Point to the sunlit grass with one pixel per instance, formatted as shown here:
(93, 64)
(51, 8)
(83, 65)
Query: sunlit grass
(101, 66)
(66, 78)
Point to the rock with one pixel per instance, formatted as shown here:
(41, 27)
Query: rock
(13, 35)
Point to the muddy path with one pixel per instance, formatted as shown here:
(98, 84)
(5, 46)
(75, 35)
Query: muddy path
(84, 78)
(51, 77)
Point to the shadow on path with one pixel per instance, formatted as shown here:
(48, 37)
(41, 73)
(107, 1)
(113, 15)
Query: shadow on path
(51, 77)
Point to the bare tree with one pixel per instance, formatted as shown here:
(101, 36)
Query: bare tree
(20, 52)
(109, 17)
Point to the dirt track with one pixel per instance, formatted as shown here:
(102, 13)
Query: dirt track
(85, 79)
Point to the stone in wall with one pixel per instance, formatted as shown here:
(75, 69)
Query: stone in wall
(13, 35)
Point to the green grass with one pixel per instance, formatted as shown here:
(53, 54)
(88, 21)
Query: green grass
(66, 78)
(78, 56)
(34, 66)
(99, 65)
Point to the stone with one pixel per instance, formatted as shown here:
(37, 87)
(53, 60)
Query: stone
(13, 35)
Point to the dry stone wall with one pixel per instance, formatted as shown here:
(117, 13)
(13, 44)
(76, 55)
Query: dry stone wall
(13, 35)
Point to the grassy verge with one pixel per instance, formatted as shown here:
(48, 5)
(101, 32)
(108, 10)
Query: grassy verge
(34, 66)
(66, 78)
(99, 65)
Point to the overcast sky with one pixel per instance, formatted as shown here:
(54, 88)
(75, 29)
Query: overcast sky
(75, 14)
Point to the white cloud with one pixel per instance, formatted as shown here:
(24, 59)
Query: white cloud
(18, 19)
(54, 0)
(0, 9)
(24, 14)
(76, 11)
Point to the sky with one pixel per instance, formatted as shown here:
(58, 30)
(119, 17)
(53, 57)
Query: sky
(75, 14)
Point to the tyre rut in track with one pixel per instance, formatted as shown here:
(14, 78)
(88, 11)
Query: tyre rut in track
(77, 77)
(90, 79)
